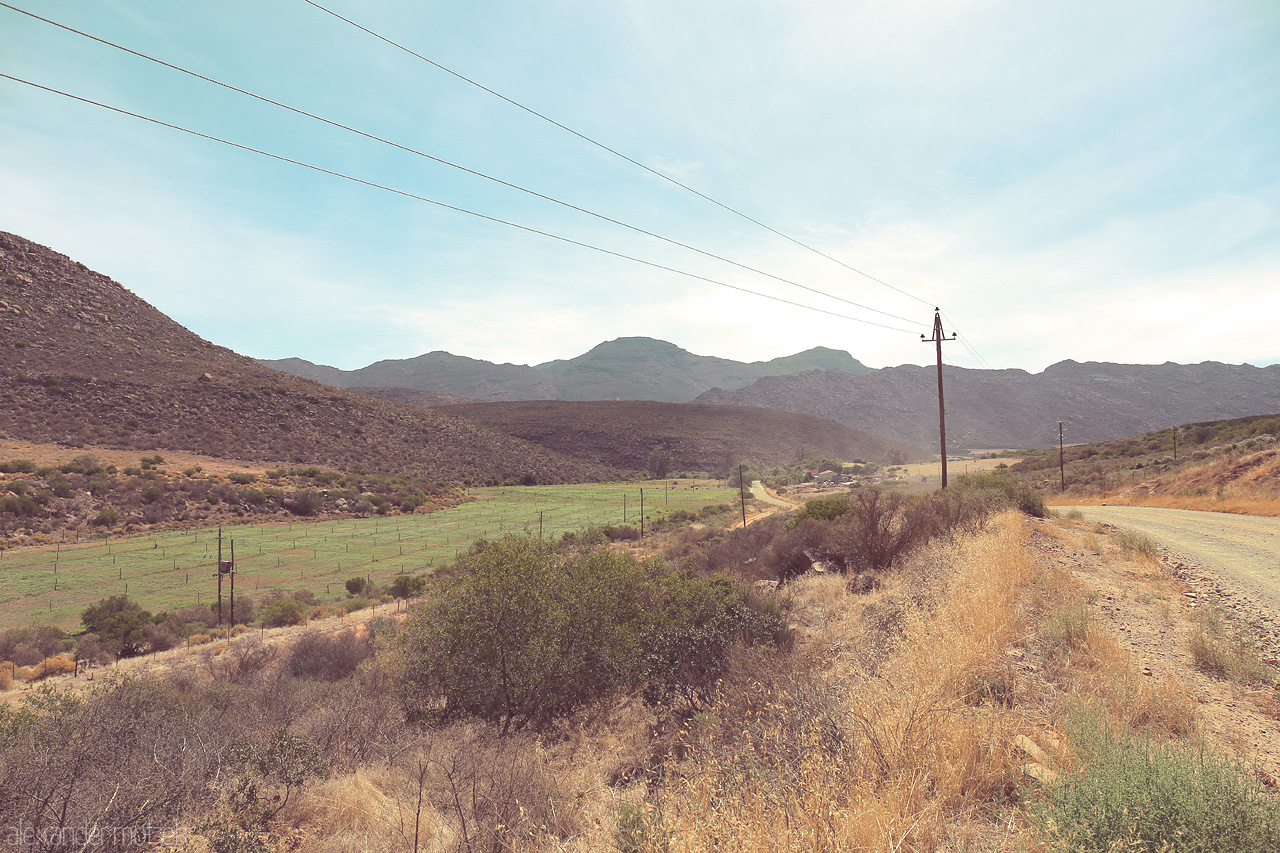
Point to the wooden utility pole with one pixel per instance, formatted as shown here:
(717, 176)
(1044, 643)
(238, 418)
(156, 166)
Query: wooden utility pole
(742, 496)
(641, 512)
(938, 337)
(226, 567)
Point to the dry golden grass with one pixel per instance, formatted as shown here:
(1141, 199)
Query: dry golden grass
(907, 760)
(1086, 663)
(1246, 484)
(892, 726)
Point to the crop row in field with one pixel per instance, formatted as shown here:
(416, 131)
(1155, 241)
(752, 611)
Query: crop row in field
(53, 584)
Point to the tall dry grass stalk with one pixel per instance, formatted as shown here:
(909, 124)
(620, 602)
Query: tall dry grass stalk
(903, 759)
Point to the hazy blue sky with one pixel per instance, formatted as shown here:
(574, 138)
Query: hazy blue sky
(1086, 180)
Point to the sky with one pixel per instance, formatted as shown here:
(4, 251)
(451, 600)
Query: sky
(1069, 180)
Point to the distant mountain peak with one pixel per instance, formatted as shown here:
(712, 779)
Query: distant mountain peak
(625, 368)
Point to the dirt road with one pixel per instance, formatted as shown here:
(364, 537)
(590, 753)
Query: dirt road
(759, 491)
(1242, 552)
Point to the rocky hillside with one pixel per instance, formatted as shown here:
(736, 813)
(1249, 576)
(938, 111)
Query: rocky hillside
(1013, 408)
(83, 360)
(623, 369)
(699, 438)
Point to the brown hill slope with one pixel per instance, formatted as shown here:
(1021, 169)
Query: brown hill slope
(1013, 408)
(414, 397)
(700, 438)
(84, 360)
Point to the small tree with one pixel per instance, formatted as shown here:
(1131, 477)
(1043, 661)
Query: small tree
(659, 463)
(407, 586)
(119, 619)
(749, 471)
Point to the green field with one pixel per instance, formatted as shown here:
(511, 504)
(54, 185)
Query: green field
(53, 584)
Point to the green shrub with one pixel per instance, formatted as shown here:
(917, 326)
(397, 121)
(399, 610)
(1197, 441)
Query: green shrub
(1131, 793)
(19, 505)
(407, 586)
(640, 830)
(686, 639)
(119, 619)
(18, 466)
(1019, 495)
(107, 517)
(525, 632)
(621, 533)
(824, 509)
(306, 503)
(283, 611)
(355, 586)
(242, 478)
(85, 463)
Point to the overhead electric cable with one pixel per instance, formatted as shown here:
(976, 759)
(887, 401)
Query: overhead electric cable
(442, 204)
(965, 342)
(613, 151)
(453, 165)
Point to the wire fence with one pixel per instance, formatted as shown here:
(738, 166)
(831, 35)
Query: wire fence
(165, 571)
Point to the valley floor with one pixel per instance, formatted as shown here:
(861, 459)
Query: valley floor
(931, 714)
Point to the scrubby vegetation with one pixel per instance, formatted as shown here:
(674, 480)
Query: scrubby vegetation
(1226, 651)
(86, 496)
(571, 695)
(562, 627)
(1127, 793)
(1106, 466)
(858, 471)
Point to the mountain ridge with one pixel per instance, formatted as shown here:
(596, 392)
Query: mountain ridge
(1096, 401)
(629, 368)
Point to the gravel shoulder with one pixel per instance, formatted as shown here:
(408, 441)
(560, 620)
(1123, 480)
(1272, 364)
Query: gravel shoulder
(1231, 558)
(1152, 606)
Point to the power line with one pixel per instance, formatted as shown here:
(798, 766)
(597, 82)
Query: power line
(612, 151)
(453, 165)
(968, 346)
(442, 204)
(637, 163)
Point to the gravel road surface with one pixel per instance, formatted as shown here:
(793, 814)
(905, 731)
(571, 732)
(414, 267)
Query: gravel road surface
(1243, 551)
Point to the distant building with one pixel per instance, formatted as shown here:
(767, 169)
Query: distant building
(827, 477)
